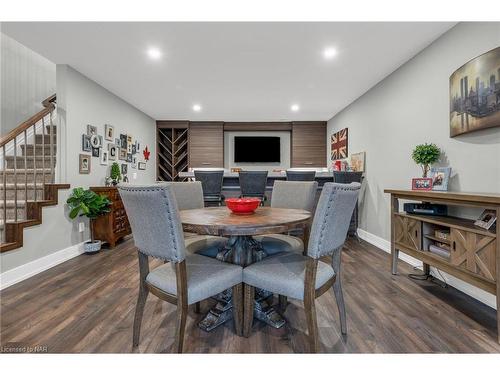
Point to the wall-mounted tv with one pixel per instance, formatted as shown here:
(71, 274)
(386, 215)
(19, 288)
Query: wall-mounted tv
(257, 150)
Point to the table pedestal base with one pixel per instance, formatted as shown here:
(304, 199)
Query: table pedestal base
(242, 250)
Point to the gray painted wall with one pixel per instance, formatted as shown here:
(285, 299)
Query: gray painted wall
(410, 107)
(81, 102)
(26, 79)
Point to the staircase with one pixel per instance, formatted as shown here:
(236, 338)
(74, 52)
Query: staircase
(27, 175)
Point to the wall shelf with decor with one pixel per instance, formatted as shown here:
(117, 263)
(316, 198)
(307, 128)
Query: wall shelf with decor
(173, 141)
(464, 248)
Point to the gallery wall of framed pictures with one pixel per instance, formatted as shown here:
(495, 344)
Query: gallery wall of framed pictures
(103, 143)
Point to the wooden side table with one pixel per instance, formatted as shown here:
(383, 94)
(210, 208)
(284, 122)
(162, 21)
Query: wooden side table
(114, 225)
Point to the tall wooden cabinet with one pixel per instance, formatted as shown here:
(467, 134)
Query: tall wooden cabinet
(471, 253)
(308, 144)
(206, 144)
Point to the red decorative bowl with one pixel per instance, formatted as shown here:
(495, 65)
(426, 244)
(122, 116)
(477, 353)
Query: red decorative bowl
(242, 206)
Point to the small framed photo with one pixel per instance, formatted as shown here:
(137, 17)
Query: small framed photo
(124, 169)
(141, 166)
(84, 164)
(440, 177)
(96, 152)
(421, 184)
(134, 162)
(100, 140)
(86, 146)
(123, 141)
(109, 132)
(129, 139)
(118, 143)
(122, 154)
(104, 157)
(137, 146)
(91, 130)
(95, 141)
(129, 158)
(486, 219)
(134, 149)
(112, 151)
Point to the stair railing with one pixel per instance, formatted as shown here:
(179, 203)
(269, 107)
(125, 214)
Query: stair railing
(10, 144)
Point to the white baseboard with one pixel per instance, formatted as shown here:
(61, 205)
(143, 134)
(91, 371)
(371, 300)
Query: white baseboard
(479, 294)
(30, 269)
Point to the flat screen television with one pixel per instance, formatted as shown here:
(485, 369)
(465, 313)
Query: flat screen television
(257, 149)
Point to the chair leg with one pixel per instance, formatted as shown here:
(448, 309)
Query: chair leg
(248, 303)
(337, 290)
(197, 307)
(312, 323)
(139, 310)
(182, 311)
(238, 309)
(141, 299)
(283, 301)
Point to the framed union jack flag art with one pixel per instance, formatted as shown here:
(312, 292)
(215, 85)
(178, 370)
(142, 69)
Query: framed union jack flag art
(339, 144)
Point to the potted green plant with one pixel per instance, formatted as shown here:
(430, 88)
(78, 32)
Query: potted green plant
(425, 155)
(115, 174)
(85, 202)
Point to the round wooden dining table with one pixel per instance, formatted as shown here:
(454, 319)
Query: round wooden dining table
(242, 249)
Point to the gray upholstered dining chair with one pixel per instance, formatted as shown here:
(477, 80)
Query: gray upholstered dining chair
(189, 196)
(295, 175)
(186, 278)
(306, 277)
(290, 194)
(211, 182)
(345, 177)
(253, 184)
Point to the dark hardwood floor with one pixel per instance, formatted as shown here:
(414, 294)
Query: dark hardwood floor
(86, 305)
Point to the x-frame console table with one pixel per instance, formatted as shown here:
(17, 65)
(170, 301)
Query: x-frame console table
(474, 251)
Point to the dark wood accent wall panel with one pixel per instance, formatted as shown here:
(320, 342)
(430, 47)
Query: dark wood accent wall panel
(206, 144)
(308, 144)
(257, 126)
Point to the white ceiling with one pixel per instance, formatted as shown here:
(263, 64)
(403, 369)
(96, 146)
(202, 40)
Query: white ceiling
(235, 71)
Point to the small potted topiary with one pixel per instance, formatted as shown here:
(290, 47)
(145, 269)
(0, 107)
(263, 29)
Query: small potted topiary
(425, 155)
(115, 174)
(85, 202)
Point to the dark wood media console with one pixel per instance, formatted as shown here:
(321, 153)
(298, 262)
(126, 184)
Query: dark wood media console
(474, 252)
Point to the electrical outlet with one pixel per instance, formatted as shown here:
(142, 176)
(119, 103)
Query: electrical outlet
(81, 227)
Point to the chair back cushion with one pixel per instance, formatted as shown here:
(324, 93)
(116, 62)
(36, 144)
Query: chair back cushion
(294, 194)
(211, 181)
(344, 177)
(292, 175)
(332, 218)
(189, 195)
(154, 218)
(253, 183)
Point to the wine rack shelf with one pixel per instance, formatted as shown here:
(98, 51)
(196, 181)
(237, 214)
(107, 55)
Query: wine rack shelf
(172, 151)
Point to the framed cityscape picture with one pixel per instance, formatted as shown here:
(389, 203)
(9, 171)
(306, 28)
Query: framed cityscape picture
(475, 94)
(86, 145)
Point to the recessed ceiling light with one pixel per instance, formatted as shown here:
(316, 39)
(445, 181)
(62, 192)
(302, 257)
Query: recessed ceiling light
(295, 107)
(154, 53)
(197, 108)
(329, 53)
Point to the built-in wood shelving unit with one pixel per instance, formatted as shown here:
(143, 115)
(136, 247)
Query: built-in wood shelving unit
(172, 139)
